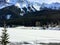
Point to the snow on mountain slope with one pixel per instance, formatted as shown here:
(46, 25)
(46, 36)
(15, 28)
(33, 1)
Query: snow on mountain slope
(55, 5)
(35, 5)
(27, 4)
(30, 6)
(4, 3)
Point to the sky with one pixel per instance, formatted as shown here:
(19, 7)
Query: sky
(39, 1)
(45, 1)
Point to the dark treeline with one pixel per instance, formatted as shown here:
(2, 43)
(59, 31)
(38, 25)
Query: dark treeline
(42, 17)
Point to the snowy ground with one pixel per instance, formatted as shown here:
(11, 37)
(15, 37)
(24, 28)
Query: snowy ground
(19, 34)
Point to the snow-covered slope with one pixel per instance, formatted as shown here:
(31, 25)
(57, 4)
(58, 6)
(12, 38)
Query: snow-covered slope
(31, 5)
(55, 6)
(27, 6)
(4, 3)
(35, 6)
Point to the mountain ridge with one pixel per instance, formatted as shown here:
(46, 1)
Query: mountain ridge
(34, 6)
(27, 6)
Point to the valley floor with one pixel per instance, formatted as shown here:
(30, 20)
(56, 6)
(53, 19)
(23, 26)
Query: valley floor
(32, 34)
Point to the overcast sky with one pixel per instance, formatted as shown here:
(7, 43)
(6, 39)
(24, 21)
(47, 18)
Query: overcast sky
(39, 1)
(45, 1)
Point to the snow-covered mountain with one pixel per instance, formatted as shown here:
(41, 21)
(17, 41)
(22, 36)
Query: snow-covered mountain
(27, 6)
(55, 6)
(35, 6)
(30, 6)
(4, 4)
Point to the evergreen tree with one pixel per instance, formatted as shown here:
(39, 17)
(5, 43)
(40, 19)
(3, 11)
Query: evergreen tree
(4, 37)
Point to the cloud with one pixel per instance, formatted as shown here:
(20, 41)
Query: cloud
(12, 1)
(44, 1)
(39, 1)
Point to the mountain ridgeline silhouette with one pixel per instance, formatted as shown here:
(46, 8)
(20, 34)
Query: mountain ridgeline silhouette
(14, 15)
